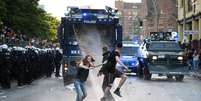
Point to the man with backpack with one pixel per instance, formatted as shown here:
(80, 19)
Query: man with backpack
(110, 72)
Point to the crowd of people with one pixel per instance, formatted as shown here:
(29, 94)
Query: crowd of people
(193, 59)
(192, 55)
(25, 60)
(16, 38)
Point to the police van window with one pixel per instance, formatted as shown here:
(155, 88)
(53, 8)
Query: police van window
(164, 46)
(129, 51)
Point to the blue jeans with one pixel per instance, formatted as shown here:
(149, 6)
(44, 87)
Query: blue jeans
(190, 63)
(80, 90)
(195, 64)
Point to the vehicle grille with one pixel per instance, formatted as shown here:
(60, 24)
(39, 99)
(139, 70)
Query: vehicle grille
(168, 60)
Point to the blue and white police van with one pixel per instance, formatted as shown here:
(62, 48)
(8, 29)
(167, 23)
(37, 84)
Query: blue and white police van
(129, 54)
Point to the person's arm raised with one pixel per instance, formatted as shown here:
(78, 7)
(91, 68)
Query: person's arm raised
(120, 62)
(81, 65)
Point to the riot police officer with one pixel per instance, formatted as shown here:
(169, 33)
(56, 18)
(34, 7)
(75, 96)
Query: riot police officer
(6, 66)
(58, 58)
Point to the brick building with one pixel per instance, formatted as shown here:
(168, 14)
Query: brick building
(129, 13)
(158, 15)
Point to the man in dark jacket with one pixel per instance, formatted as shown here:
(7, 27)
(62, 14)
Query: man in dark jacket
(110, 71)
(6, 66)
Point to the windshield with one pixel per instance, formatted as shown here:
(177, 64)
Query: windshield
(129, 51)
(164, 46)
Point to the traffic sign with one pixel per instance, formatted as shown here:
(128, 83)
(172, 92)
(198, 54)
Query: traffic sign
(191, 32)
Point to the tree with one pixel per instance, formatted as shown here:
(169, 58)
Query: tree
(157, 13)
(153, 11)
(52, 26)
(2, 11)
(25, 17)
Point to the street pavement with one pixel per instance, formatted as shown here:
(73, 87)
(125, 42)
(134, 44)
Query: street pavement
(135, 89)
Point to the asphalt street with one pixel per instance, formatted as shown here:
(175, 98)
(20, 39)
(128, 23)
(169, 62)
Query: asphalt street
(135, 89)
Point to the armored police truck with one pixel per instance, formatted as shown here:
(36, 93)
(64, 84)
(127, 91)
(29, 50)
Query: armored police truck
(80, 23)
(162, 55)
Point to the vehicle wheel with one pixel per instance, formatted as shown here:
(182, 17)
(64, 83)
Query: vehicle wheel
(179, 77)
(169, 76)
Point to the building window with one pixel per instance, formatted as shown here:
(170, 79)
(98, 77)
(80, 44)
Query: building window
(190, 5)
(170, 25)
(134, 13)
(181, 3)
(135, 7)
(194, 5)
(130, 28)
(120, 13)
(129, 13)
(162, 12)
(129, 17)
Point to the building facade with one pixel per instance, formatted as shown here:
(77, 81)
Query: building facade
(129, 17)
(158, 15)
(189, 21)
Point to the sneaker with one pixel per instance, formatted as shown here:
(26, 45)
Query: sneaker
(117, 92)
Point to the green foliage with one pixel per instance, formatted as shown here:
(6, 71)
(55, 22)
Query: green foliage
(52, 26)
(24, 16)
(2, 10)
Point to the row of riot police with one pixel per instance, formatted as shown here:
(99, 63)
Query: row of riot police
(27, 64)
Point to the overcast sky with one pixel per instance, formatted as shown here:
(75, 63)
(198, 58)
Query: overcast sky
(58, 7)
